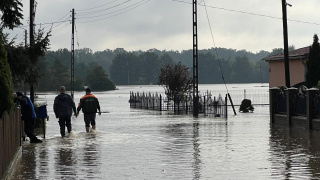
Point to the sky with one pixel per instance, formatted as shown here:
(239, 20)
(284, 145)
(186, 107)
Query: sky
(251, 25)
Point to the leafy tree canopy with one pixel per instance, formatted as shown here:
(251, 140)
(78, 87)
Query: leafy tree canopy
(175, 79)
(11, 13)
(98, 80)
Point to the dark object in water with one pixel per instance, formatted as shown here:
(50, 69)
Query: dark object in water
(246, 106)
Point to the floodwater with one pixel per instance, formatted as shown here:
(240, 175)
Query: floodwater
(145, 144)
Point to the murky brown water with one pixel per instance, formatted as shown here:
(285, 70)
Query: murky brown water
(141, 144)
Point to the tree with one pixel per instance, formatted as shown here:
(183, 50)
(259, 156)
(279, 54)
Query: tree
(243, 70)
(11, 13)
(6, 99)
(125, 69)
(175, 79)
(313, 63)
(98, 80)
(150, 67)
(60, 75)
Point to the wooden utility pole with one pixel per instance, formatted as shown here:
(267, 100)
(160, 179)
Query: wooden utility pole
(285, 41)
(195, 60)
(31, 42)
(72, 57)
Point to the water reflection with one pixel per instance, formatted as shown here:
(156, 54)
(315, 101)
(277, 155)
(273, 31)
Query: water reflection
(43, 161)
(184, 146)
(295, 152)
(91, 157)
(196, 154)
(65, 159)
(27, 167)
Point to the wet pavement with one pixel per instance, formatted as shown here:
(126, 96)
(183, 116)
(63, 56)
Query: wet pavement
(143, 144)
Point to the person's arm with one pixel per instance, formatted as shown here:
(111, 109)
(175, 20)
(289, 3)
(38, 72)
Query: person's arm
(98, 106)
(73, 106)
(79, 106)
(55, 108)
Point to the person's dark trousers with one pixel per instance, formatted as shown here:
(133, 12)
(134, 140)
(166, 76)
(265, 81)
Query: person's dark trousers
(63, 122)
(29, 129)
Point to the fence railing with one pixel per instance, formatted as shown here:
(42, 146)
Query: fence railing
(10, 138)
(208, 105)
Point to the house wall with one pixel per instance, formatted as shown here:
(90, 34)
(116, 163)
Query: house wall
(277, 73)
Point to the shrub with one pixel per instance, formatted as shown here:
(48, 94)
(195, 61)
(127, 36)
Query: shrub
(246, 106)
(6, 99)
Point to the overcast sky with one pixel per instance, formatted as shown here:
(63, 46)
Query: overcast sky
(252, 25)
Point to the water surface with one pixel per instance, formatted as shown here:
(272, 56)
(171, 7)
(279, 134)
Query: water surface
(143, 144)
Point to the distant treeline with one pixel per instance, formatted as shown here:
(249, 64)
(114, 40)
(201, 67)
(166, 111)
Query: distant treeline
(143, 67)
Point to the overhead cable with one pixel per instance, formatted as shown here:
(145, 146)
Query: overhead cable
(119, 10)
(138, 5)
(249, 13)
(102, 10)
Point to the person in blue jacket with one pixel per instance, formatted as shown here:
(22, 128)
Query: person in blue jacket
(63, 107)
(28, 115)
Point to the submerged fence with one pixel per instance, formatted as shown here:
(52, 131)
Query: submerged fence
(208, 104)
(10, 138)
(257, 96)
(299, 107)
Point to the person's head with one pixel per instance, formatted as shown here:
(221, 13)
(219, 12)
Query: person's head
(19, 94)
(88, 91)
(62, 89)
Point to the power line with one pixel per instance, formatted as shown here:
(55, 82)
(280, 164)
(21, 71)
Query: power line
(215, 45)
(76, 35)
(249, 13)
(97, 6)
(118, 13)
(61, 28)
(119, 10)
(93, 12)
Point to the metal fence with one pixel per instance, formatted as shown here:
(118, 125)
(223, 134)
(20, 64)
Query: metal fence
(10, 137)
(208, 105)
(257, 96)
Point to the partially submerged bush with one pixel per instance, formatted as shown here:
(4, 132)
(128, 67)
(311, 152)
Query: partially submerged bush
(246, 106)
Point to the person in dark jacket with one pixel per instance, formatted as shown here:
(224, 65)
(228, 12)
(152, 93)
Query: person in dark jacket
(28, 115)
(89, 105)
(63, 107)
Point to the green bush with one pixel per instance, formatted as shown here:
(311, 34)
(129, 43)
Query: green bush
(6, 99)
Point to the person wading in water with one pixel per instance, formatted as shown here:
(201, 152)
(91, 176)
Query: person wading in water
(62, 107)
(89, 105)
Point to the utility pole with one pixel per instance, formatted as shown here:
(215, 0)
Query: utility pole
(72, 57)
(25, 45)
(195, 60)
(285, 41)
(31, 42)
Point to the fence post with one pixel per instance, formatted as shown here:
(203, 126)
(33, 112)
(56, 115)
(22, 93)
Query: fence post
(178, 104)
(226, 105)
(273, 102)
(186, 104)
(290, 96)
(311, 106)
(204, 105)
(160, 102)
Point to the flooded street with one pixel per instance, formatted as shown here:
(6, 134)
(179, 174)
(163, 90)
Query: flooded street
(144, 144)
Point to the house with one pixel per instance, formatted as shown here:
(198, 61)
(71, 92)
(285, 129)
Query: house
(297, 67)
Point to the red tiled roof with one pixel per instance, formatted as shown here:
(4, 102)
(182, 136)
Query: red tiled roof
(301, 53)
